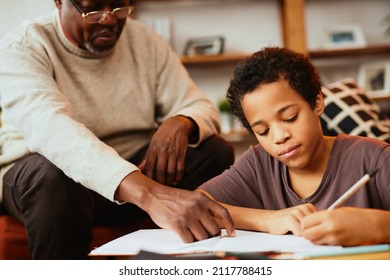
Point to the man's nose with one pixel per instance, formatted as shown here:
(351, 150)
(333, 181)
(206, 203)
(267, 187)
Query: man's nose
(108, 18)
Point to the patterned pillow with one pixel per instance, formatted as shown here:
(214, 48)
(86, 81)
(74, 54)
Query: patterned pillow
(349, 110)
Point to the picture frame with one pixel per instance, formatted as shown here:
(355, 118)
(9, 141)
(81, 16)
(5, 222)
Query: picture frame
(212, 45)
(344, 36)
(375, 78)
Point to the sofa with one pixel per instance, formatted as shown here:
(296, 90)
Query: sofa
(14, 243)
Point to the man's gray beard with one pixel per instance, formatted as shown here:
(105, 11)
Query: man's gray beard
(92, 49)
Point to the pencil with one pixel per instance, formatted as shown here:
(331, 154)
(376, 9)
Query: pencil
(352, 190)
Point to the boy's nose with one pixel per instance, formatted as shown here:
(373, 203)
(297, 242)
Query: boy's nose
(280, 135)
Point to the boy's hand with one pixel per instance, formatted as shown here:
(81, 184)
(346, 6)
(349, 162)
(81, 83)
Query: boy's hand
(346, 226)
(289, 219)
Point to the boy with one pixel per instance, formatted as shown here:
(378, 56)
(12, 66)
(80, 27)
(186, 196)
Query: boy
(286, 183)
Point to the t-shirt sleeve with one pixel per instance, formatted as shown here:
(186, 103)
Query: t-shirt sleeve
(382, 177)
(238, 185)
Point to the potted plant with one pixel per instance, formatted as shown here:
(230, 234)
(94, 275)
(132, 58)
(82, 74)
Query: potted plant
(226, 115)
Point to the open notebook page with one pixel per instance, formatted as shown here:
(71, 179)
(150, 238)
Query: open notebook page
(167, 242)
(154, 240)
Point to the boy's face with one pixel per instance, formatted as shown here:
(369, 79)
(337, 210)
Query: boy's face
(284, 123)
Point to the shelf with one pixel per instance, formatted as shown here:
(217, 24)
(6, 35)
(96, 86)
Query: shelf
(239, 136)
(369, 50)
(212, 59)
(381, 99)
(317, 54)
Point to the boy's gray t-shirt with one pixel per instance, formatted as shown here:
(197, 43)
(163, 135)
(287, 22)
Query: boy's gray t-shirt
(257, 180)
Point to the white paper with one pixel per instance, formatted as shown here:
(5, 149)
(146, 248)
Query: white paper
(167, 242)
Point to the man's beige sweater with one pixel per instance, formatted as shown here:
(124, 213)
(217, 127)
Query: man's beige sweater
(85, 112)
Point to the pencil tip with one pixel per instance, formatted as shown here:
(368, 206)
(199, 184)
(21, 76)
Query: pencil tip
(372, 172)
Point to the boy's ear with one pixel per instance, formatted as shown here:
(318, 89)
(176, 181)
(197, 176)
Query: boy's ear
(320, 104)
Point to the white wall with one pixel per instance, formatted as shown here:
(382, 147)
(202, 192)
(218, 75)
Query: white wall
(369, 15)
(13, 12)
(246, 25)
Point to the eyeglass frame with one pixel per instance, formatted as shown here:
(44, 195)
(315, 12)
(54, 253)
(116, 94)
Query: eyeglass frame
(85, 15)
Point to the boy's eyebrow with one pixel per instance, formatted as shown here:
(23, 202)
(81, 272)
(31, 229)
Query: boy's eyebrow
(280, 111)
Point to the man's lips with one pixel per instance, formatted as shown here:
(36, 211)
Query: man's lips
(289, 152)
(105, 35)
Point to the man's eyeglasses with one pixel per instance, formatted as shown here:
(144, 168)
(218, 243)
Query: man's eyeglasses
(100, 16)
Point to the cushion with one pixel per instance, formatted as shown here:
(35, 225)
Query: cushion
(349, 110)
(13, 240)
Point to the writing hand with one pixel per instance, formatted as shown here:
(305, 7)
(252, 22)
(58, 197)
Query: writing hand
(346, 226)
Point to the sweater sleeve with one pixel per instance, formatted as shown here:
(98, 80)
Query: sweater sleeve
(34, 107)
(177, 94)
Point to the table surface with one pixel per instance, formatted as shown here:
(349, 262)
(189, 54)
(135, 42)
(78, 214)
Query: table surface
(366, 256)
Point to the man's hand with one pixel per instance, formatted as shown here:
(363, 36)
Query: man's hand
(190, 214)
(164, 160)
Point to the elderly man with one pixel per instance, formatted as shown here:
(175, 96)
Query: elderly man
(101, 123)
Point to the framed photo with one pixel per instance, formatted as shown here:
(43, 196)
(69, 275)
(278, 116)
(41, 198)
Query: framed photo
(344, 36)
(375, 78)
(205, 46)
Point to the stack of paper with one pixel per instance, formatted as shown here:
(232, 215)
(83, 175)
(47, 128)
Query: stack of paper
(167, 242)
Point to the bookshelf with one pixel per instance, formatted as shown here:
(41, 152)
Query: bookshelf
(296, 29)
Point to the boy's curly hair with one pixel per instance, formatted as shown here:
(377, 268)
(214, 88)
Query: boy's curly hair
(269, 65)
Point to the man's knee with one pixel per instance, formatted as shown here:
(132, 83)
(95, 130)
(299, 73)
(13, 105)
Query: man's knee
(209, 159)
(37, 181)
(221, 151)
(38, 174)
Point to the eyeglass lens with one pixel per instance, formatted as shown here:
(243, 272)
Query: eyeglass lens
(119, 13)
